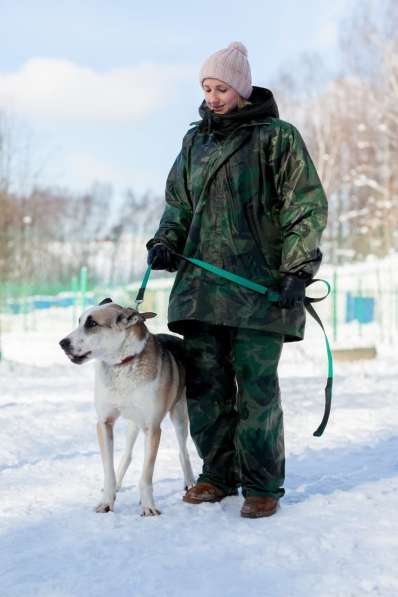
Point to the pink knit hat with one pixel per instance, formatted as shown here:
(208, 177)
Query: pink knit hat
(231, 66)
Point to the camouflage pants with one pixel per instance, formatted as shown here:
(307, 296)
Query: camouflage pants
(234, 406)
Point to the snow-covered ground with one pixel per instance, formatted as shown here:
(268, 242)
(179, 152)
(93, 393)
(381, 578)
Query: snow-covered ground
(335, 535)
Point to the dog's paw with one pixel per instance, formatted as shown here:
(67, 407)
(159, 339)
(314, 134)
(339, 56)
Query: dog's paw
(150, 511)
(104, 507)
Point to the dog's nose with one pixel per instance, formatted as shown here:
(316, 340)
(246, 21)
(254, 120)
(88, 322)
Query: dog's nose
(65, 344)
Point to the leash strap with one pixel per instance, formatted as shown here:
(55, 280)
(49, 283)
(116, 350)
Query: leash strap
(272, 296)
(329, 383)
(140, 295)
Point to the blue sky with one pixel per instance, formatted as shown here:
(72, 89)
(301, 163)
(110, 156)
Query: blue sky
(106, 90)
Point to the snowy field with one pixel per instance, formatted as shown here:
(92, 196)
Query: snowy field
(335, 535)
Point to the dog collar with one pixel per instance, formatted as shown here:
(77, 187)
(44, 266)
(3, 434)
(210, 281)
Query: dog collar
(126, 360)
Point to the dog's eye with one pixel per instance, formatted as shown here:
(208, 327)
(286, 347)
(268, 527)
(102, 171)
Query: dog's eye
(90, 323)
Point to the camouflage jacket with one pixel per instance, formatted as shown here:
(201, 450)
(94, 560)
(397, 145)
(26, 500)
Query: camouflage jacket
(252, 204)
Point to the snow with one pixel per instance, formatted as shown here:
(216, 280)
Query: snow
(335, 535)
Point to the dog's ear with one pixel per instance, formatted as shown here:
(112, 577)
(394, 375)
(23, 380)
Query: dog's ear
(148, 315)
(128, 317)
(105, 301)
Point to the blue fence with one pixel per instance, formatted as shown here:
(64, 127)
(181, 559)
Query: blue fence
(38, 303)
(359, 308)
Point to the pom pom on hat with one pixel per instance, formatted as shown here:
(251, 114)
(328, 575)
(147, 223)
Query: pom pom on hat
(231, 66)
(237, 45)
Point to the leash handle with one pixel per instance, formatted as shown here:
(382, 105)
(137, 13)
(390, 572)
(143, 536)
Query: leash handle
(329, 383)
(317, 300)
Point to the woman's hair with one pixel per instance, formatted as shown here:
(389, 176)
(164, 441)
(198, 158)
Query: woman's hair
(242, 102)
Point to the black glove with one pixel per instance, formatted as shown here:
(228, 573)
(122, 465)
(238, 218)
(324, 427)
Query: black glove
(160, 257)
(292, 291)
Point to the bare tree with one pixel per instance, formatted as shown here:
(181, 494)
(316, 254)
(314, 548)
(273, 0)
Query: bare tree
(351, 126)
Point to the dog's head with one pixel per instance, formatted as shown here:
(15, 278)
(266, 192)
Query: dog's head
(102, 330)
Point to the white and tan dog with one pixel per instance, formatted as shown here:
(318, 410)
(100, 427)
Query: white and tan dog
(139, 376)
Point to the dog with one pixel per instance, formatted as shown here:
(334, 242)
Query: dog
(139, 376)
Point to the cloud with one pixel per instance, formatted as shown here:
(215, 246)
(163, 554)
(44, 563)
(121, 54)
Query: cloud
(326, 36)
(62, 90)
(84, 168)
(80, 169)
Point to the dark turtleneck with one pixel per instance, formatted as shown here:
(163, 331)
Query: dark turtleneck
(262, 105)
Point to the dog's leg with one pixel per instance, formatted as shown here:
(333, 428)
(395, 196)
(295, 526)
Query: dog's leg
(152, 439)
(132, 433)
(105, 440)
(179, 417)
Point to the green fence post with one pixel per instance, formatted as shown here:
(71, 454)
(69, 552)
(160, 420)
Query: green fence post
(74, 289)
(360, 313)
(334, 306)
(83, 287)
(25, 307)
(32, 309)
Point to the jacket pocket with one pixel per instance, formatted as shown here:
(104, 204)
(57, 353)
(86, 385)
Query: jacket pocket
(266, 236)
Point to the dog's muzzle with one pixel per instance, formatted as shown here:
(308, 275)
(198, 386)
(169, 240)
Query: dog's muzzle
(66, 346)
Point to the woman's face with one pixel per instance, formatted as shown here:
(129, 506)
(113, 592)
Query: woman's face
(219, 97)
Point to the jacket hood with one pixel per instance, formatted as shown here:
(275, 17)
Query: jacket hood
(262, 105)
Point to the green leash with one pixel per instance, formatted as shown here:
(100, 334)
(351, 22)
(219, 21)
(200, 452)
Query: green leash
(273, 297)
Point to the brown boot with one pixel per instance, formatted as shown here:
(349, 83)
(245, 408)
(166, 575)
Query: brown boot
(205, 492)
(256, 506)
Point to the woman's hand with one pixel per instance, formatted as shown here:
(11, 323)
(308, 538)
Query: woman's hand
(160, 257)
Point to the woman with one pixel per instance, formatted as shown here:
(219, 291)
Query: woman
(243, 194)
